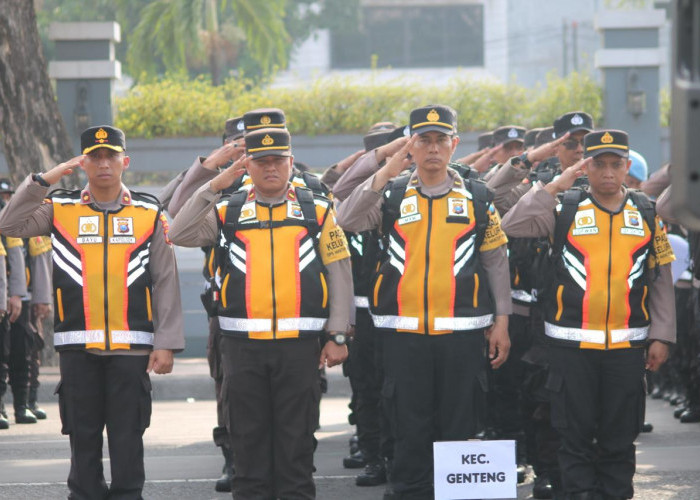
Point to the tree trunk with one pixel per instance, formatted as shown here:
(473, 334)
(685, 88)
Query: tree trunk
(33, 134)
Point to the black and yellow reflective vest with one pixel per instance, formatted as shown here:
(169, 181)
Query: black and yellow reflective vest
(599, 294)
(101, 279)
(272, 279)
(431, 280)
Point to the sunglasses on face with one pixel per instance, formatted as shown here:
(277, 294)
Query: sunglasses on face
(572, 144)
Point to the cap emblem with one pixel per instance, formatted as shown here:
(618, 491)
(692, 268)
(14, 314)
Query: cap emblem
(607, 138)
(433, 116)
(267, 140)
(101, 136)
(265, 120)
(512, 133)
(240, 125)
(576, 120)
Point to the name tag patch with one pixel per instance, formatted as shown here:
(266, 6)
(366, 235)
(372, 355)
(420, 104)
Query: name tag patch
(409, 210)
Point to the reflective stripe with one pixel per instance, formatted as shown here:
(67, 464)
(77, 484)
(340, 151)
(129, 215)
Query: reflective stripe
(464, 323)
(265, 325)
(396, 322)
(522, 296)
(361, 301)
(596, 336)
(291, 324)
(132, 337)
(78, 337)
(574, 334)
(629, 334)
(245, 324)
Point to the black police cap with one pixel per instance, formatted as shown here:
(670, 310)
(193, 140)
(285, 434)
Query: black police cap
(264, 118)
(485, 140)
(544, 136)
(6, 186)
(606, 141)
(530, 136)
(402, 131)
(373, 140)
(508, 133)
(102, 136)
(268, 142)
(382, 127)
(234, 129)
(435, 118)
(572, 122)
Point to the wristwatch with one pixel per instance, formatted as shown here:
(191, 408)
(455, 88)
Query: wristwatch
(38, 178)
(338, 338)
(525, 161)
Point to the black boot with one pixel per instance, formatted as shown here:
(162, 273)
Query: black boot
(4, 423)
(691, 415)
(373, 474)
(39, 413)
(22, 413)
(223, 484)
(355, 461)
(389, 490)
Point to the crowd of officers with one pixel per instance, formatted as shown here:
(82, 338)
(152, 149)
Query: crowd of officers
(452, 324)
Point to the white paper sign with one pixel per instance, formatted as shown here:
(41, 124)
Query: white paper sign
(474, 469)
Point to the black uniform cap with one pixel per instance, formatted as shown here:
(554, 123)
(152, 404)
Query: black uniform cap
(234, 129)
(508, 133)
(264, 118)
(382, 127)
(102, 136)
(544, 136)
(268, 142)
(572, 122)
(531, 136)
(485, 140)
(6, 186)
(435, 118)
(402, 131)
(375, 139)
(606, 141)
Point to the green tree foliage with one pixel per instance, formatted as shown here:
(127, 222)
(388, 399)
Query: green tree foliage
(179, 107)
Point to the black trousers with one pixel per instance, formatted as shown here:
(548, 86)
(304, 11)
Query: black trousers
(434, 389)
(216, 372)
(98, 391)
(366, 384)
(16, 353)
(271, 394)
(597, 402)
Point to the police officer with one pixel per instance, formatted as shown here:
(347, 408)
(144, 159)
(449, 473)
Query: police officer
(117, 312)
(434, 358)
(4, 335)
(284, 277)
(609, 298)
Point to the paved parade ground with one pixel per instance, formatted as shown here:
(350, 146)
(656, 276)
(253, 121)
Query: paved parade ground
(182, 462)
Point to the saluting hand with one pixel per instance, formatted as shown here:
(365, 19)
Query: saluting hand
(332, 354)
(231, 151)
(54, 175)
(499, 341)
(483, 163)
(472, 157)
(568, 177)
(348, 161)
(161, 361)
(230, 174)
(546, 150)
(390, 149)
(396, 164)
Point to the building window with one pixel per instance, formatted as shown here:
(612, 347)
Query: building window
(412, 37)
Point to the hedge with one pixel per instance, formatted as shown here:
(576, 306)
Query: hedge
(176, 107)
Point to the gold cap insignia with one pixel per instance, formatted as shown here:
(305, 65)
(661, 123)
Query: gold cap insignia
(101, 136)
(265, 120)
(267, 140)
(607, 138)
(433, 116)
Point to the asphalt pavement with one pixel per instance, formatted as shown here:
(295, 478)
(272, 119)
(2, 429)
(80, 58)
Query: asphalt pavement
(183, 463)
